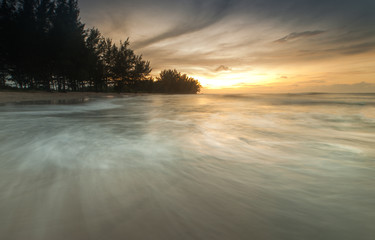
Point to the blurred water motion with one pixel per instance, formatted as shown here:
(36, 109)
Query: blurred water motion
(190, 167)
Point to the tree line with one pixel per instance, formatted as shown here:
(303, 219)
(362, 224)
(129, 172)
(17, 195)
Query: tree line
(44, 45)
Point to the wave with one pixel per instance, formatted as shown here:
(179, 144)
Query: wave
(308, 99)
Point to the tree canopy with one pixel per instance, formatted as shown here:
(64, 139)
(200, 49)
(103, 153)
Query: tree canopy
(44, 45)
(172, 81)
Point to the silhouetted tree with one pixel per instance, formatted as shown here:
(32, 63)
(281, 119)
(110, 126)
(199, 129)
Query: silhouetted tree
(68, 46)
(44, 15)
(172, 81)
(107, 51)
(7, 38)
(139, 76)
(44, 45)
(95, 44)
(127, 68)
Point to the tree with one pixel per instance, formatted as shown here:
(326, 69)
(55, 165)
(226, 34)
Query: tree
(172, 81)
(44, 44)
(95, 59)
(68, 46)
(44, 15)
(7, 38)
(127, 68)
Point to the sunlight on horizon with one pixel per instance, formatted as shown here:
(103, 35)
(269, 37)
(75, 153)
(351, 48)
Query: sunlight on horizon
(233, 80)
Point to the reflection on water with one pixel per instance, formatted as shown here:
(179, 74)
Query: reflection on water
(190, 167)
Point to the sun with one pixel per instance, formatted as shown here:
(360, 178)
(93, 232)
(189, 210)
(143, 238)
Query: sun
(232, 80)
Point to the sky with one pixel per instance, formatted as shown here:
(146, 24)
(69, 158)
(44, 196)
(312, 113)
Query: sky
(249, 45)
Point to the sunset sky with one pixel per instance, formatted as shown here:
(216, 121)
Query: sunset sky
(249, 45)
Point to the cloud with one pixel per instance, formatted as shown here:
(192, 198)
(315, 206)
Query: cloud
(222, 68)
(337, 50)
(356, 87)
(355, 48)
(360, 87)
(296, 35)
(205, 16)
(203, 38)
(313, 81)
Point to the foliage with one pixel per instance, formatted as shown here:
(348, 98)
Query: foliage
(44, 45)
(172, 81)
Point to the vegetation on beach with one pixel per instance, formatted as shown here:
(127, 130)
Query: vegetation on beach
(44, 45)
(171, 81)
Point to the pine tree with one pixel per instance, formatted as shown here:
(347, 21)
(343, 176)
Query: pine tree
(44, 44)
(68, 39)
(95, 59)
(44, 14)
(7, 37)
(25, 44)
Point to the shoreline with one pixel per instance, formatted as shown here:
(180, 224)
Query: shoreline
(7, 97)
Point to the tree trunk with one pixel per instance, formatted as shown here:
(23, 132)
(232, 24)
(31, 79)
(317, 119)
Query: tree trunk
(2, 81)
(64, 84)
(59, 84)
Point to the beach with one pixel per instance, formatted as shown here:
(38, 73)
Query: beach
(206, 166)
(51, 97)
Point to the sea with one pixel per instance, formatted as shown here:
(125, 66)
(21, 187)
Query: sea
(241, 166)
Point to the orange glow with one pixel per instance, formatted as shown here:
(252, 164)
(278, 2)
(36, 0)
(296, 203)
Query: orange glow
(233, 80)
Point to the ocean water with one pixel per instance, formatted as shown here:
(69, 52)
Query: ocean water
(277, 166)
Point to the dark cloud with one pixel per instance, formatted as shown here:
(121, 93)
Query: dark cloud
(356, 48)
(296, 35)
(206, 15)
(191, 16)
(222, 68)
(337, 50)
(356, 13)
(208, 36)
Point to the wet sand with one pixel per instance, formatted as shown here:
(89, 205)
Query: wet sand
(217, 167)
(51, 97)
